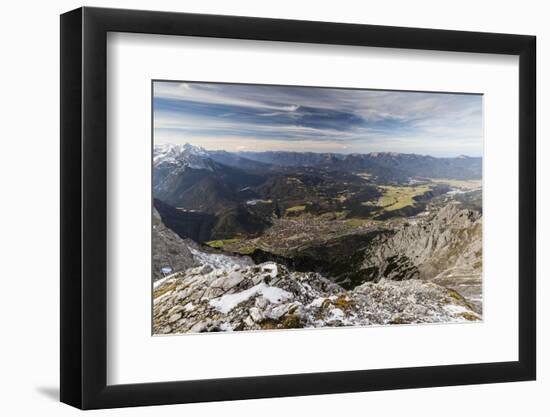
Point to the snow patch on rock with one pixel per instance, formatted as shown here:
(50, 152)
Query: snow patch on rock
(228, 302)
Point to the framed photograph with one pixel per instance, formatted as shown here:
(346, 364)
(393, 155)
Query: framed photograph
(257, 208)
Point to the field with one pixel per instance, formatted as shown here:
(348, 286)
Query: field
(221, 243)
(461, 184)
(397, 197)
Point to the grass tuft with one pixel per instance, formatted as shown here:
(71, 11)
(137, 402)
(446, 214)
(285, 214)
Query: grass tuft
(296, 209)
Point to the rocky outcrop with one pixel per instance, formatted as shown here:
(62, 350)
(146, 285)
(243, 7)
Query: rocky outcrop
(444, 246)
(237, 296)
(169, 250)
(428, 271)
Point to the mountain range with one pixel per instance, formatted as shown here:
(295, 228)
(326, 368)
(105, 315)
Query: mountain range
(390, 165)
(222, 194)
(393, 164)
(276, 240)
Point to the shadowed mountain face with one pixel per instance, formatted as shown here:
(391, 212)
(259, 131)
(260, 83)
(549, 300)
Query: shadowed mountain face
(203, 226)
(193, 225)
(186, 177)
(169, 250)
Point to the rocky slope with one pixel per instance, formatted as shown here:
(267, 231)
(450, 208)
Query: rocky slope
(233, 296)
(184, 176)
(169, 250)
(427, 270)
(444, 246)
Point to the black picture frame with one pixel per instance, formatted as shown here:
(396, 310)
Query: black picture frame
(84, 207)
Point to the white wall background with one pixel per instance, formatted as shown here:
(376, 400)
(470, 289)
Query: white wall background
(29, 211)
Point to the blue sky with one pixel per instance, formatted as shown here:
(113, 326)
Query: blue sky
(237, 117)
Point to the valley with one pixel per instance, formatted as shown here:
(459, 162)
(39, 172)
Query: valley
(333, 226)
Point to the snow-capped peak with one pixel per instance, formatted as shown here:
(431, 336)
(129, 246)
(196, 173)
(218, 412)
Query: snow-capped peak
(185, 155)
(195, 149)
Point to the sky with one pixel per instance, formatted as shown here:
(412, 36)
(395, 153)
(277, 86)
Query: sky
(246, 117)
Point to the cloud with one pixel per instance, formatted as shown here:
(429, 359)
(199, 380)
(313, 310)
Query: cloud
(213, 94)
(350, 120)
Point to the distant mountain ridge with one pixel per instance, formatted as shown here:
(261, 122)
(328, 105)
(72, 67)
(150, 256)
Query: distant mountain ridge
(292, 158)
(393, 166)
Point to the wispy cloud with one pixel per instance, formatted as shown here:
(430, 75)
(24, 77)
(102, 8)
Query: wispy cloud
(236, 116)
